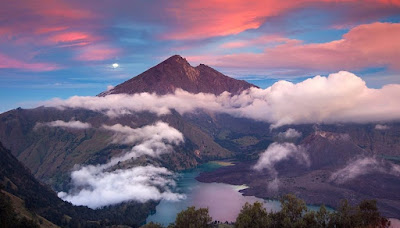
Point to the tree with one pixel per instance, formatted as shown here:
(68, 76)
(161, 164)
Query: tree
(322, 217)
(342, 217)
(252, 216)
(369, 216)
(365, 214)
(292, 211)
(152, 225)
(192, 218)
(317, 219)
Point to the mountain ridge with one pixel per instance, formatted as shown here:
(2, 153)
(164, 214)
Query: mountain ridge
(17, 182)
(175, 72)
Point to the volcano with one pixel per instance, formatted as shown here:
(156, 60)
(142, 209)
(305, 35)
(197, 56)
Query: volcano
(175, 72)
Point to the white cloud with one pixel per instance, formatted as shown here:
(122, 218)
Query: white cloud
(354, 169)
(277, 152)
(363, 166)
(70, 124)
(381, 127)
(154, 140)
(95, 189)
(110, 87)
(96, 186)
(339, 98)
(289, 134)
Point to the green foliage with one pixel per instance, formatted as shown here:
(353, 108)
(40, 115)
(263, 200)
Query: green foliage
(152, 225)
(294, 214)
(365, 214)
(292, 211)
(252, 215)
(192, 218)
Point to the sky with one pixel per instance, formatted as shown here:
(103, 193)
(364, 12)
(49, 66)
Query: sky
(64, 48)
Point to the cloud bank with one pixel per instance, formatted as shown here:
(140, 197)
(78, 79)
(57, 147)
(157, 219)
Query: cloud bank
(70, 124)
(339, 98)
(98, 185)
(95, 189)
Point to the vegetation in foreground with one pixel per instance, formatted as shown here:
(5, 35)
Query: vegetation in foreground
(294, 214)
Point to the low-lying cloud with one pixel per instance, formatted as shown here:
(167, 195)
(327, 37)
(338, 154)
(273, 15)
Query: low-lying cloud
(381, 127)
(70, 124)
(154, 140)
(363, 166)
(289, 134)
(99, 185)
(277, 152)
(95, 189)
(339, 98)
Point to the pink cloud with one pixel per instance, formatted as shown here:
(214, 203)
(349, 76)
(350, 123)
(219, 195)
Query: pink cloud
(201, 19)
(97, 53)
(44, 23)
(8, 62)
(33, 17)
(262, 40)
(369, 45)
(32, 24)
(210, 18)
(50, 29)
(71, 39)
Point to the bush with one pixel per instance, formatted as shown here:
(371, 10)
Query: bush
(152, 225)
(192, 218)
(254, 216)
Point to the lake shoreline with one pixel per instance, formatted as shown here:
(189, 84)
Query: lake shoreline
(305, 186)
(223, 200)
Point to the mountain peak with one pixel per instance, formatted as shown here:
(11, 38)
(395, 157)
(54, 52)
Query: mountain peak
(177, 59)
(175, 72)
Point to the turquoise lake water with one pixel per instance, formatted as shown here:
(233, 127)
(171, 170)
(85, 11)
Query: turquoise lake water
(224, 201)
